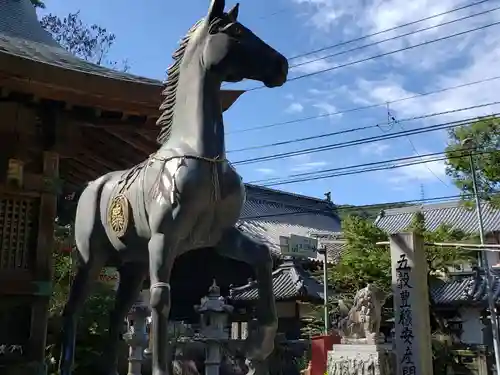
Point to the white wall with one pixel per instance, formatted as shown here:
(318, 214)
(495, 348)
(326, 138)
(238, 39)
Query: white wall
(493, 258)
(472, 327)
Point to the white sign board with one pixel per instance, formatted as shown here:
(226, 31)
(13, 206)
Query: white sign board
(299, 246)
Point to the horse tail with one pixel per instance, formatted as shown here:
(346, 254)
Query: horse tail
(87, 218)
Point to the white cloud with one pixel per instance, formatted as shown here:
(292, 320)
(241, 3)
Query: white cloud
(266, 171)
(309, 166)
(375, 148)
(376, 16)
(427, 171)
(305, 163)
(306, 65)
(325, 108)
(295, 107)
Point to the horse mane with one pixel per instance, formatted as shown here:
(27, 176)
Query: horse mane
(170, 90)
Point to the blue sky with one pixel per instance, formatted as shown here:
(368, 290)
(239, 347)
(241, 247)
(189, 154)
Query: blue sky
(148, 31)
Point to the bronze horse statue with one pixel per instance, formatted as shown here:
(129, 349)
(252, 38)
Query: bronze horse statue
(185, 196)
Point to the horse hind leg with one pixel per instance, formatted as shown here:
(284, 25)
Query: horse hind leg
(131, 278)
(80, 288)
(89, 266)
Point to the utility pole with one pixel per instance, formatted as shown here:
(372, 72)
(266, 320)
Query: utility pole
(469, 144)
(323, 251)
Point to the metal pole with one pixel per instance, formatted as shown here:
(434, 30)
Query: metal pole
(325, 289)
(485, 265)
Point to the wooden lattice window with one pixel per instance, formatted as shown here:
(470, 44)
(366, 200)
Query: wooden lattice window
(18, 232)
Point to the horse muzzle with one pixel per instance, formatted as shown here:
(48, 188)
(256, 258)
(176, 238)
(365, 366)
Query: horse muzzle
(277, 73)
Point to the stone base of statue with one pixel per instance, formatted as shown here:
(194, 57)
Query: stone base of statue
(360, 359)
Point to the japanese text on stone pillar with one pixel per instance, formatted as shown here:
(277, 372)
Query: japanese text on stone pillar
(403, 271)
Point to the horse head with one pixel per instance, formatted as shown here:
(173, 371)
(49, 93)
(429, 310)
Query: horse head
(232, 52)
(217, 49)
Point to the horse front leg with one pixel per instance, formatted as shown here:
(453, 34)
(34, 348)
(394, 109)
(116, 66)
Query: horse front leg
(161, 262)
(239, 246)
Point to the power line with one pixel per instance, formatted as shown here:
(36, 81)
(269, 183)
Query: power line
(393, 38)
(361, 168)
(307, 75)
(356, 109)
(386, 30)
(303, 174)
(370, 169)
(346, 131)
(394, 121)
(426, 129)
(272, 14)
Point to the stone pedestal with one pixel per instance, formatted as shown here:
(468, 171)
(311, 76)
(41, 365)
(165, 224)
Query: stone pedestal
(363, 359)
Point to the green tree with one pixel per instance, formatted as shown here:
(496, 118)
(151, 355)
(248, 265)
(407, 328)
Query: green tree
(485, 134)
(93, 324)
(363, 261)
(440, 259)
(91, 43)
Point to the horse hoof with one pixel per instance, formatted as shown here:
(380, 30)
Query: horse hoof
(256, 367)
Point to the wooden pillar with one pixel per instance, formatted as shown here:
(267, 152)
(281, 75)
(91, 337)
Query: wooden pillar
(26, 283)
(411, 305)
(45, 248)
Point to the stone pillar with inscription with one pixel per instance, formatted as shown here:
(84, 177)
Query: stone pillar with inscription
(412, 339)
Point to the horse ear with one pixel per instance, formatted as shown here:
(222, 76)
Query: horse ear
(216, 9)
(233, 13)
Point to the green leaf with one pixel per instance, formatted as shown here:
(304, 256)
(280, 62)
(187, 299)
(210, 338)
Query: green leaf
(485, 132)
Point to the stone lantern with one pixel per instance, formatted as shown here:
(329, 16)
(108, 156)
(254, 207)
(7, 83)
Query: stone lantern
(214, 314)
(136, 337)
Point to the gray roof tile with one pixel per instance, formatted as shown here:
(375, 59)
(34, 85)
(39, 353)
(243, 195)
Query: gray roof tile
(269, 214)
(335, 251)
(22, 35)
(450, 213)
(290, 281)
(464, 290)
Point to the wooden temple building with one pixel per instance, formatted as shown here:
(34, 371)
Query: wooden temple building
(294, 289)
(65, 122)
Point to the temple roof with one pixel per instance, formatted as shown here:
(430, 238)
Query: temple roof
(269, 214)
(452, 213)
(465, 290)
(290, 282)
(26, 49)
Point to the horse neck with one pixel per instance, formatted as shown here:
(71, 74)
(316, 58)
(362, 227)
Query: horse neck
(197, 120)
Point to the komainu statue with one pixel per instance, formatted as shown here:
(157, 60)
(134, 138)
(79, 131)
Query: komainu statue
(361, 322)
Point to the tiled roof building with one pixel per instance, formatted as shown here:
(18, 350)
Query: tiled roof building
(269, 214)
(290, 282)
(465, 289)
(453, 213)
(469, 290)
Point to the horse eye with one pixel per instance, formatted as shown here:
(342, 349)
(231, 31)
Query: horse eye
(237, 31)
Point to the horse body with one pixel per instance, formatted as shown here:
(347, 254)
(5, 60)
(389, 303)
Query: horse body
(185, 196)
(216, 206)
